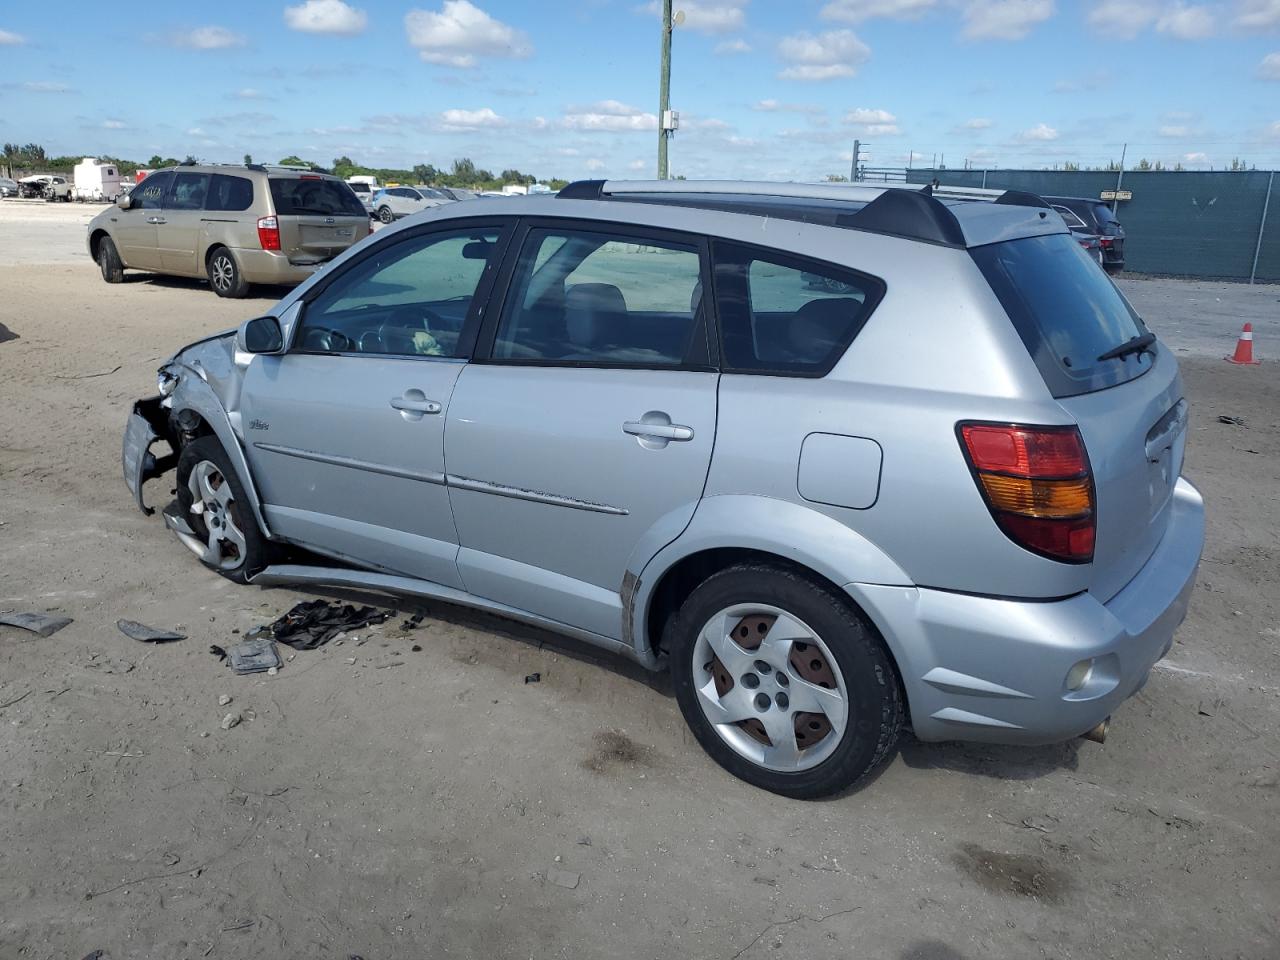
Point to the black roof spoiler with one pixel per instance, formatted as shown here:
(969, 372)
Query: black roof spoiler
(913, 214)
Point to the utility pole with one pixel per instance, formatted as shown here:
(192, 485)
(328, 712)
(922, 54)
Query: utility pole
(1119, 178)
(853, 166)
(664, 91)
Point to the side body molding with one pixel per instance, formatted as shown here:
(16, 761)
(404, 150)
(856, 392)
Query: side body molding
(799, 533)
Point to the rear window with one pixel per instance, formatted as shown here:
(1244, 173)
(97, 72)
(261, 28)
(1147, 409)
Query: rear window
(302, 196)
(359, 187)
(787, 315)
(1066, 310)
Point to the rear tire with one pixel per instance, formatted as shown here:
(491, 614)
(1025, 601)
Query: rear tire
(109, 261)
(385, 214)
(211, 498)
(224, 275)
(811, 709)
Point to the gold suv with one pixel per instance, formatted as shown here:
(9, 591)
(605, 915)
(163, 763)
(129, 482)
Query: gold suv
(233, 224)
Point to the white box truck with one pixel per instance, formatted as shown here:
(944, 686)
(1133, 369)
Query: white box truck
(96, 180)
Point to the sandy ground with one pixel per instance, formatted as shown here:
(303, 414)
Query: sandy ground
(390, 803)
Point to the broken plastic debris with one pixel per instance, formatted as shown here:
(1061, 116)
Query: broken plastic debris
(564, 878)
(533, 678)
(217, 651)
(140, 631)
(40, 623)
(253, 656)
(313, 623)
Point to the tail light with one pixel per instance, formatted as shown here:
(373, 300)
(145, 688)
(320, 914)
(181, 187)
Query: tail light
(1037, 483)
(269, 233)
(1106, 241)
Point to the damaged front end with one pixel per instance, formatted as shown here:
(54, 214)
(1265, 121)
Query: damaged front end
(148, 423)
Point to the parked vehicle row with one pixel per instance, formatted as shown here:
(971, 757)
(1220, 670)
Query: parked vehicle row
(1094, 219)
(911, 460)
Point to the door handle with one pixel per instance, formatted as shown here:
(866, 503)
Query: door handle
(412, 405)
(156, 220)
(658, 431)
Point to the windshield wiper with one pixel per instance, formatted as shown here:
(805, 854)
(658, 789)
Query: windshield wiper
(1139, 344)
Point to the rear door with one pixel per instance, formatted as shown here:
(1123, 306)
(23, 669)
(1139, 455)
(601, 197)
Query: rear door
(179, 234)
(1130, 409)
(135, 230)
(345, 432)
(584, 434)
(319, 217)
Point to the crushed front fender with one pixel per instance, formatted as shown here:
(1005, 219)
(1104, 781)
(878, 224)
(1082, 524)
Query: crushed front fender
(147, 423)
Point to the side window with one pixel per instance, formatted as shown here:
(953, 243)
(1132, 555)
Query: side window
(1071, 219)
(603, 298)
(787, 315)
(229, 193)
(149, 194)
(409, 299)
(189, 190)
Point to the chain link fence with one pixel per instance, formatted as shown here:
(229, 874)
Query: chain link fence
(1181, 223)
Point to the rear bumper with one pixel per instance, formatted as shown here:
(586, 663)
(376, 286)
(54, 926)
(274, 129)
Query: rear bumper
(272, 266)
(978, 668)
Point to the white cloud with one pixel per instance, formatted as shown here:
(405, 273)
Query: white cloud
(594, 163)
(1195, 158)
(1004, 19)
(1258, 14)
(873, 123)
(208, 38)
(460, 33)
(45, 86)
(1041, 131)
(608, 116)
(855, 11)
(10, 39)
(470, 119)
(1274, 129)
(1269, 68)
(638, 165)
(823, 56)
(716, 16)
(196, 132)
(249, 93)
(775, 106)
(326, 16)
(733, 46)
(1186, 22)
(1175, 130)
(114, 125)
(1123, 19)
(977, 123)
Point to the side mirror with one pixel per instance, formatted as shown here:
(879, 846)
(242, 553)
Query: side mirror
(124, 201)
(260, 335)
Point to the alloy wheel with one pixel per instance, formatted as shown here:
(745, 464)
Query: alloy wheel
(214, 506)
(222, 272)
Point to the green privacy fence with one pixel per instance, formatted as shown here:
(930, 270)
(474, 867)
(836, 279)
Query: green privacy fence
(1192, 224)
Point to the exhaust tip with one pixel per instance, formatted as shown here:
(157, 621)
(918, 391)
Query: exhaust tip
(1099, 733)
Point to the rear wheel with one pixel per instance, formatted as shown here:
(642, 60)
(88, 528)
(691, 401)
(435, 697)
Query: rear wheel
(109, 261)
(385, 214)
(215, 506)
(782, 681)
(224, 275)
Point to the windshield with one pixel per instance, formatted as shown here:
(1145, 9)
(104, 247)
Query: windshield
(306, 195)
(359, 187)
(1067, 311)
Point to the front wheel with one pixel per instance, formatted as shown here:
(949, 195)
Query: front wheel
(385, 214)
(783, 682)
(215, 506)
(224, 275)
(109, 261)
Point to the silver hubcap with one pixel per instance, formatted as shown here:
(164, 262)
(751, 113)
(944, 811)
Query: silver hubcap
(212, 502)
(223, 270)
(770, 687)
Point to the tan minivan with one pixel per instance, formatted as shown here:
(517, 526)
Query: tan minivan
(233, 224)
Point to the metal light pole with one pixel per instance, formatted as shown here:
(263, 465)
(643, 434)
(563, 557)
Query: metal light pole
(664, 90)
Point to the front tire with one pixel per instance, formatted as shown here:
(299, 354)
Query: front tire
(224, 275)
(214, 503)
(783, 682)
(385, 214)
(109, 261)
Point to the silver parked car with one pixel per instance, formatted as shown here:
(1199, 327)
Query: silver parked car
(392, 203)
(939, 486)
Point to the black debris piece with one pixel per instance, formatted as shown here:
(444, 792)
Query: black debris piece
(533, 678)
(96, 955)
(217, 651)
(253, 656)
(413, 622)
(314, 623)
(416, 648)
(140, 631)
(40, 623)
(1233, 421)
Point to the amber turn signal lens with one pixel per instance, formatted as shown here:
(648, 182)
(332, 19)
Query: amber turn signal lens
(1038, 498)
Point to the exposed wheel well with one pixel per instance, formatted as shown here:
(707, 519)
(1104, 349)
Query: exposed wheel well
(214, 248)
(95, 239)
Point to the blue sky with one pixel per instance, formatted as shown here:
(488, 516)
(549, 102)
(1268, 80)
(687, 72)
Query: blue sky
(764, 88)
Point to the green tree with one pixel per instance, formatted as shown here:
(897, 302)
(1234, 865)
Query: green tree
(425, 173)
(248, 159)
(836, 178)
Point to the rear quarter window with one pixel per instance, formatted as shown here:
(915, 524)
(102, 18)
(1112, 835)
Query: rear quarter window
(305, 196)
(1066, 310)
(229, 193)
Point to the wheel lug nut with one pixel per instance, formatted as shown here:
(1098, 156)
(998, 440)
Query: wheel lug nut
(750, 681)
(762, 667)
(782, 700)
(762, 701)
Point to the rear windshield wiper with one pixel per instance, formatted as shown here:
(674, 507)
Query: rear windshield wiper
(1139, 344)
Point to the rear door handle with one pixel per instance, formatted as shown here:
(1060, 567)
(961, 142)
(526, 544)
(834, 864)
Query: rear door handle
(658, 431)
(412, 405)
(156, 220)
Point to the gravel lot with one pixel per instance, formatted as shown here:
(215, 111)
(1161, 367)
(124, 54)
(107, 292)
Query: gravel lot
(391, 803)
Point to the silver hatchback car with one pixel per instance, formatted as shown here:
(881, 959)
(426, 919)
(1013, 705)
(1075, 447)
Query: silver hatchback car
(840, 458)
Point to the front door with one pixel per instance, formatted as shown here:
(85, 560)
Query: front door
(584, 434)
(178, 236)
(135, 230)
(345, 432)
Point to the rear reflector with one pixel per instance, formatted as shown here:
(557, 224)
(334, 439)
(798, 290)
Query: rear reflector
(1037, 484)
(269, 233)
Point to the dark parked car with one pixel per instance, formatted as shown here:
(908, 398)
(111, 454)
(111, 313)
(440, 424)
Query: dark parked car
(1095, 217)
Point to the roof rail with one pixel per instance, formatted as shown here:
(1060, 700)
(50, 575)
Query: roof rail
(287, 166)
(602, 189)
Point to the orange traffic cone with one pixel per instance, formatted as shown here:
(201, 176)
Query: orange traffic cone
(1244, 348)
